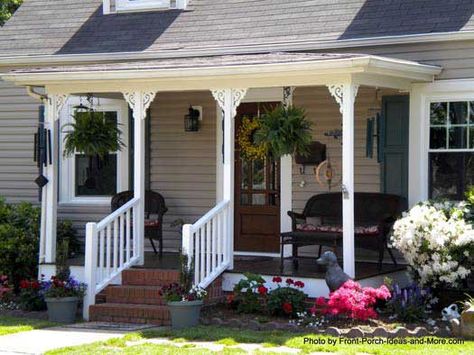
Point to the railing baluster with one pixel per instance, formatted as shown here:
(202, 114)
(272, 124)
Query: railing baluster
(102, 255)
(108, 250)
(121, 246)
(115, 244)
(202, 238)
(219, 238)
(214, 241)
(208, 248)
(127, 236)
(197, 256)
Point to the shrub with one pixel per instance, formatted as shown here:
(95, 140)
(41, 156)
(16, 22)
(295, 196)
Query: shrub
(352, 301)
(19, 241)
(5, 289)
(66, 233)
(286, 300)
(410, 304)
(437, 242)
(247, 294)
(31, 297)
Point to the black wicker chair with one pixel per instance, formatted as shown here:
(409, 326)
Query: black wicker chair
(375, 214)
(155, 208)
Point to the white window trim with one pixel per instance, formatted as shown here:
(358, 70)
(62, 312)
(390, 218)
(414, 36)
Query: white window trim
(67, 166)
(141, 5)
(422, 95)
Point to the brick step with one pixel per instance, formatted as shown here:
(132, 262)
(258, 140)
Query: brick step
(128, 294)
(130, 313)
(149, 277)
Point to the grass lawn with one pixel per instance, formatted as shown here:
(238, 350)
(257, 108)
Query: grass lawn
(231, 338)
(10, 325)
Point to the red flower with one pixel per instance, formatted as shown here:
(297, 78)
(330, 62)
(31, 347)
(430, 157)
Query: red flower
(262, 290)
(230, 299)
(320, 301)
(287, 308)
(290, 281)
(299, 284)
(35, 285)
(277, 279)
(24, 284)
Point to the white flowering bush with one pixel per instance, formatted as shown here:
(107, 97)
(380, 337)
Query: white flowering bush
(437, 241)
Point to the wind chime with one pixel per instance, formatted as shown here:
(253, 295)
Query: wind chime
(325, 172)
(42, 154)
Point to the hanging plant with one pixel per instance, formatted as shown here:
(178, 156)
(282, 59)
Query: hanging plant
(249, 149)
(285, 130)
(92, 134)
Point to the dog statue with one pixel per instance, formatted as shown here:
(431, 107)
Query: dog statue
(335, 276)
(450, 312)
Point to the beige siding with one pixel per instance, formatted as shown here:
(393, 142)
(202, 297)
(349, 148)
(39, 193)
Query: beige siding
(323, 111)
(183, 165)
(18, 118)
(456, 57)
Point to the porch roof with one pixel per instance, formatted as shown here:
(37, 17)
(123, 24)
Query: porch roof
(258, 70)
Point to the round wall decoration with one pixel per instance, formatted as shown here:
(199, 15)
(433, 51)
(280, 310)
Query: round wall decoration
(249, 149)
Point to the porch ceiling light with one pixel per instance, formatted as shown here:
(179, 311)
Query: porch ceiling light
(191, 120)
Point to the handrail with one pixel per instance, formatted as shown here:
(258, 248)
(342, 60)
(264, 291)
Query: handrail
(112, 246)
(208, 245)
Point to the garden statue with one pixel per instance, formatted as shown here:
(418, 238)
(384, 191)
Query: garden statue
(464, 327)
(335, 276)
(450, 312)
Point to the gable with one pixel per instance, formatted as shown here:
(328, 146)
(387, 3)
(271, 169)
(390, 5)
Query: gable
(44, 27)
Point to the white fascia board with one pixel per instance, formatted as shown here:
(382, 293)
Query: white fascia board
(201, 51)
(367, 64)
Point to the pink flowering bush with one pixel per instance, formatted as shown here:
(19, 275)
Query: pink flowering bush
(352, 301)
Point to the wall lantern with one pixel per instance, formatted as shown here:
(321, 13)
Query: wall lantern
(191, 120)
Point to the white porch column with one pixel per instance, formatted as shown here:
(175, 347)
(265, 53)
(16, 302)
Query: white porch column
(228, 100)
(286, 179)
(49, 200)
(345, 95)
(139, 102)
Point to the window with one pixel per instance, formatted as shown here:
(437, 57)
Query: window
(135, 5)
(451, 154)
(85, 179)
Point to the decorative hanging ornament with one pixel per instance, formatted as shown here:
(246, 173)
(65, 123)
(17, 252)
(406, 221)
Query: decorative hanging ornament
(249, 149)
(325, 174)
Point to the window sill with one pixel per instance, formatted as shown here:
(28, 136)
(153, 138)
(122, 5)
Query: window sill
(86, 202)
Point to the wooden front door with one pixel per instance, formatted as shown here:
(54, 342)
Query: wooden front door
(257, 194)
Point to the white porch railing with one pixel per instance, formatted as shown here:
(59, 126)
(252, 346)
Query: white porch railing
(207, 243)
(111, 247)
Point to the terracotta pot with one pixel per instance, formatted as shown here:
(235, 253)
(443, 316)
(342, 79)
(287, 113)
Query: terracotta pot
(467, 323)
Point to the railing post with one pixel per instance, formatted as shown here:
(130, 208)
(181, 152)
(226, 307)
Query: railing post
(90, 269)
(188, 242)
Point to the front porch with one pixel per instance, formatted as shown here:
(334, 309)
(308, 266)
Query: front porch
(325, 85)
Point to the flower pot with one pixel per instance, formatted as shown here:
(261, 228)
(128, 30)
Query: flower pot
(185, 314)
(62, 310)
(467, 323)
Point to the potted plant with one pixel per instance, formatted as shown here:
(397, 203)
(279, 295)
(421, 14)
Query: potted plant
(62, 298)
(184, 300)
(284, 130)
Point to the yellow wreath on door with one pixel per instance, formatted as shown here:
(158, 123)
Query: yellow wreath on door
(248, 148)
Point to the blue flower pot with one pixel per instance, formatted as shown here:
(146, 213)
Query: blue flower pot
(185, 314)
(62, 310)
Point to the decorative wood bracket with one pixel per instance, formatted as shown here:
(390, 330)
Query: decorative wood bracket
(288, 95)
(56, 103)
(139, 101)
(337, 91)
(237, 96)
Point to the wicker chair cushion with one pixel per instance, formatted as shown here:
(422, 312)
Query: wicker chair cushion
(361, 230)
(152, 223)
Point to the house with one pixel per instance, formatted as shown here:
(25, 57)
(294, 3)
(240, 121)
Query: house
(147, 61)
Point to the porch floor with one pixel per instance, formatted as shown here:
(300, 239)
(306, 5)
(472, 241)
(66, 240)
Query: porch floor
(264, 265)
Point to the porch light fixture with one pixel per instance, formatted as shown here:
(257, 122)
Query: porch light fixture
(191, 120)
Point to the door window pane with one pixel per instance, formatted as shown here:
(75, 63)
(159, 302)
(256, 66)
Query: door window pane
(258, 199)
(471, 112)
(458, 112)
(438, 113)
(259, 178)
(451, 174)
(245, 174)
(94, 177)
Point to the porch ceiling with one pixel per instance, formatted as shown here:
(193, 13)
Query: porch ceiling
(262, 70)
